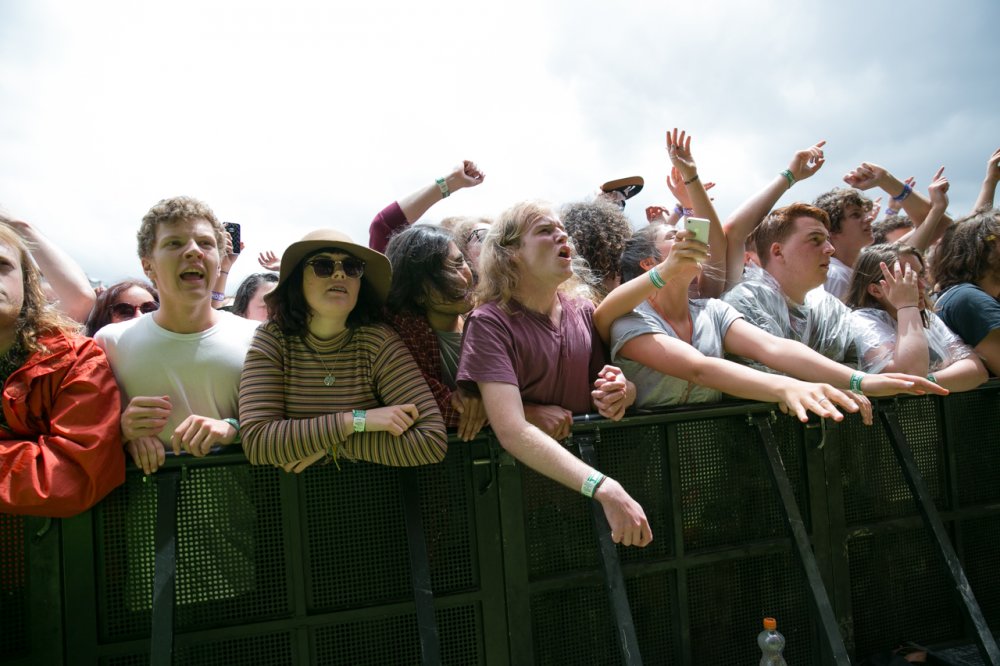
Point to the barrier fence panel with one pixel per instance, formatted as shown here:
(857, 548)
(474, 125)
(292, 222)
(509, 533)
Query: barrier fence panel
(275, 568)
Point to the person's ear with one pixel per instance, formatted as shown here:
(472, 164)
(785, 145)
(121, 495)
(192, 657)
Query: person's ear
(147, 268)
(647, 263)
(776, 250)
(875, 289)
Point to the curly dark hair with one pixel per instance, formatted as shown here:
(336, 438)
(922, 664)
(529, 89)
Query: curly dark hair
(836, 200)
(969, 250)
(100, 316)
(599, 230)
(882, 228)
(171, 211)
(418, 256)
(246, 290)
(287, 306)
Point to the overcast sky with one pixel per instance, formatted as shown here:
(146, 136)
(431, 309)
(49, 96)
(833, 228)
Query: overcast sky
(292, 116)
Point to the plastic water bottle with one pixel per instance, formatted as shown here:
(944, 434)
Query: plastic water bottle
(771, 644)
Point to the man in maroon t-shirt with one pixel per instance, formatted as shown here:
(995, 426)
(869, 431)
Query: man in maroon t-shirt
(530, 351)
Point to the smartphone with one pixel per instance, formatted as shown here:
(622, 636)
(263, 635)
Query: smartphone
(233, 228)
(698, 226)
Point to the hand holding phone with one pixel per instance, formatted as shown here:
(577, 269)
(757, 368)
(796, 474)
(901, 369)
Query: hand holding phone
(698, 226)
(233, 229)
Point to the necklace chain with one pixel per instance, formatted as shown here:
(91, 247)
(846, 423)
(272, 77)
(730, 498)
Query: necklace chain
(329, 379)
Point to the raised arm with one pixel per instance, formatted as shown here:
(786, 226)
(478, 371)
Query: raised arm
(712, 280)
(868, 175)
(546, 456)
(989, 189)
(745, 219)
(412, 207)
(934, 225)
(79, 458)
(70, 283)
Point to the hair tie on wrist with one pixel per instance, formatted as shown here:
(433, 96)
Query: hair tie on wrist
(693, 178)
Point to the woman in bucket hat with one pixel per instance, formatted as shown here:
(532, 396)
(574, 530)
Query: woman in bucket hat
(324, 377)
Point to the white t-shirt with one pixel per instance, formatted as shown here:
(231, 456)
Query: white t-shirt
(200, 372)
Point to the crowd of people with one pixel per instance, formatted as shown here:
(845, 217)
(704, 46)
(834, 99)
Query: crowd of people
(343, 351)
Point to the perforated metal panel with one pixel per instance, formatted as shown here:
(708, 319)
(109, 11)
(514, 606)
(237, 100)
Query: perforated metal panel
(230, 551)
(899, 592)
(13, 604)
(981, 550)
(449, 526)
(262, 650)
(728, 601)
(975, 439)
(873, 484)
(727, 497)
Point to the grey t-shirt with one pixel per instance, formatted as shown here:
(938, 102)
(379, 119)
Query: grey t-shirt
(710, 318)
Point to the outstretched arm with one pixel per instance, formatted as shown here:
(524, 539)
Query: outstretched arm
(70, 283)
(868, 175)
(934, 225)
(745, 219)
(412, 207)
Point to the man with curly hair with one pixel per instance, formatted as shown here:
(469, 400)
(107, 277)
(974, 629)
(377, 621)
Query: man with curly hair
(179, 367)
(60, 446)
(599, 231)
(851, 218)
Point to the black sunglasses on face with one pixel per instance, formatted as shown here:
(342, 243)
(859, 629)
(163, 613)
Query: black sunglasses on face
(128, 310)
(324, 267)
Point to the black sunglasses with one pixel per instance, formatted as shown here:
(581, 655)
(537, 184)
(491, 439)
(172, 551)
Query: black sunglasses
(128, 310)
(324, 267)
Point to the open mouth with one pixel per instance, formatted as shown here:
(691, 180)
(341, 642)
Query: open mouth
(565, 252)
(339, 289)
(192, 275)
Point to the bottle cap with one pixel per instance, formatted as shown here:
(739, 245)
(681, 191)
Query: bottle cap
(770, 623)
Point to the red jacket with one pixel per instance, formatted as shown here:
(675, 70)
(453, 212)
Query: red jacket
(61, 451)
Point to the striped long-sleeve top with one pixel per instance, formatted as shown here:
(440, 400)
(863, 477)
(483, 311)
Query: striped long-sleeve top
(288, 412)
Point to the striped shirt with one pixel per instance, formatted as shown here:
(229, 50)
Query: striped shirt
(288, 413)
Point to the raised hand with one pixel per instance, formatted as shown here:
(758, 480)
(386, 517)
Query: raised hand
(865, 176)
(657, 213)
(993, 167)
(679, 150)
(675, 183)
(808, 161)
(901, 285)
(466, 174)
(938, 190)
(269, 261)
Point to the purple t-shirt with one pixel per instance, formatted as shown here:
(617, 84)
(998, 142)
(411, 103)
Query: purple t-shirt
(549, 365)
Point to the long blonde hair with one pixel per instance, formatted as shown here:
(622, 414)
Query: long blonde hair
(498, 272)
(37, 315)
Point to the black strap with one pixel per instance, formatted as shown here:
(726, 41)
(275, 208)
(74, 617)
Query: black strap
(793, 519)
(161, 644)
(420, 570)
(614, 580)
(932, 521)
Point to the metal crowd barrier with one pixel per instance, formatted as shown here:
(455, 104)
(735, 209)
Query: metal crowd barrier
(858, 539)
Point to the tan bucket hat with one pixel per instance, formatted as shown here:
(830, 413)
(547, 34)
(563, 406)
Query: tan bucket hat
(378, 271)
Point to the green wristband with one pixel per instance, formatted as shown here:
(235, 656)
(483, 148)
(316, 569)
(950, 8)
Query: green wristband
(787, 173)
(359, 420)
(856, 378)
(443, 186)
(655, 278)
(590, 486)
(236, 426)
